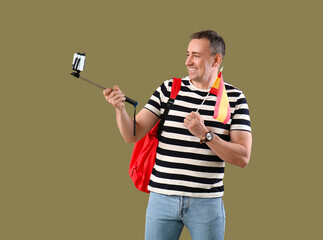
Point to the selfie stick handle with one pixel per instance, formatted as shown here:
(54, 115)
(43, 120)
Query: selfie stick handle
(128, 100)
(133, 102)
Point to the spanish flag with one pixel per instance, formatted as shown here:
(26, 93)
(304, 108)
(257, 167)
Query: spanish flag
(222, 111)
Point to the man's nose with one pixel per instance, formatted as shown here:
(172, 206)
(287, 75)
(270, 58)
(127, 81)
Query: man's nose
(188, 61)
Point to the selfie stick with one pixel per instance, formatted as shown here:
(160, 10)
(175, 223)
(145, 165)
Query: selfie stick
(77, 75)
(78, 66)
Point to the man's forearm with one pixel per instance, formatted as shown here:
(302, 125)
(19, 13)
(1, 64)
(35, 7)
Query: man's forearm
(126, 125)
(145, 120)
(234, 153)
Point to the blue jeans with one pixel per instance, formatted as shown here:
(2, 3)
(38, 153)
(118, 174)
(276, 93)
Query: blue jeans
(167, 215)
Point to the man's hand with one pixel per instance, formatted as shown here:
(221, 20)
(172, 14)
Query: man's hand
(115, 97)
(195, 124)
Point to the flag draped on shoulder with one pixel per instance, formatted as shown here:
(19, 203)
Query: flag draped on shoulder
(222, 111)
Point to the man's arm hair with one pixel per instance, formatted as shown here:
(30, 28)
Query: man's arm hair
(145, 120)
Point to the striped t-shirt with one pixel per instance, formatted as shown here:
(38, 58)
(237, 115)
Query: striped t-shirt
(184, 167)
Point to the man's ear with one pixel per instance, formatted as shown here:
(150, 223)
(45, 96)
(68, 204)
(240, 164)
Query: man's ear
(217, 60)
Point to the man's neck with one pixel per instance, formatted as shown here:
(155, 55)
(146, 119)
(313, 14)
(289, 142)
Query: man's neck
(201, 85)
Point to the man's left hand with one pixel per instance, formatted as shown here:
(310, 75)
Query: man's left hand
(195, 124)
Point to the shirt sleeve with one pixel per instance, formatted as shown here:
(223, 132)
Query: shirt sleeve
(241, 116)
(157, 101)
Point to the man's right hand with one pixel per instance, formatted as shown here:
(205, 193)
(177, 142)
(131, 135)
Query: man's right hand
(145, 119)
(115, 97)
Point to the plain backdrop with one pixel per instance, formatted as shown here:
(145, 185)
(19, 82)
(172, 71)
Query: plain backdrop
(63, 163)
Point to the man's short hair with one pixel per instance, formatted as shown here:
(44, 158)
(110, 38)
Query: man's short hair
(217, 44)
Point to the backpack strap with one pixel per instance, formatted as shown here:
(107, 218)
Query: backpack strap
(176, 86)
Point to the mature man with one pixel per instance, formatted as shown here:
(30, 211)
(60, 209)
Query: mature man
(186, 184)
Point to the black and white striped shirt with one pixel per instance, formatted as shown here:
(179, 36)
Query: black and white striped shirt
(183, 166)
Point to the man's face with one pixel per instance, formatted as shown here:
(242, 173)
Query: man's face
(199, 60)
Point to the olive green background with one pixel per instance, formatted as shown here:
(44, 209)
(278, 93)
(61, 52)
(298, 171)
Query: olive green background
(64, 165)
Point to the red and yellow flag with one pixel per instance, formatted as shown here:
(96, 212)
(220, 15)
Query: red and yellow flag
(222, 111)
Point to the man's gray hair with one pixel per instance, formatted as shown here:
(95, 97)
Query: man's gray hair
(217, 44)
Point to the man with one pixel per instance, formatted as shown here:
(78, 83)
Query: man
(186, 183)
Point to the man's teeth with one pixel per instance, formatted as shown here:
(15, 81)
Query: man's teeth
(192, 69)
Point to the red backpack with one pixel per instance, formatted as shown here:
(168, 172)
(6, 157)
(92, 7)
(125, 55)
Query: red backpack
(144, 152)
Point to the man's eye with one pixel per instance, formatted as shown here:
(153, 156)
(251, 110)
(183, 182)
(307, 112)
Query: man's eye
(197, 56)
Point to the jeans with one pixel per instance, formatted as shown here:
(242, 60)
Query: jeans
(167, 215)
